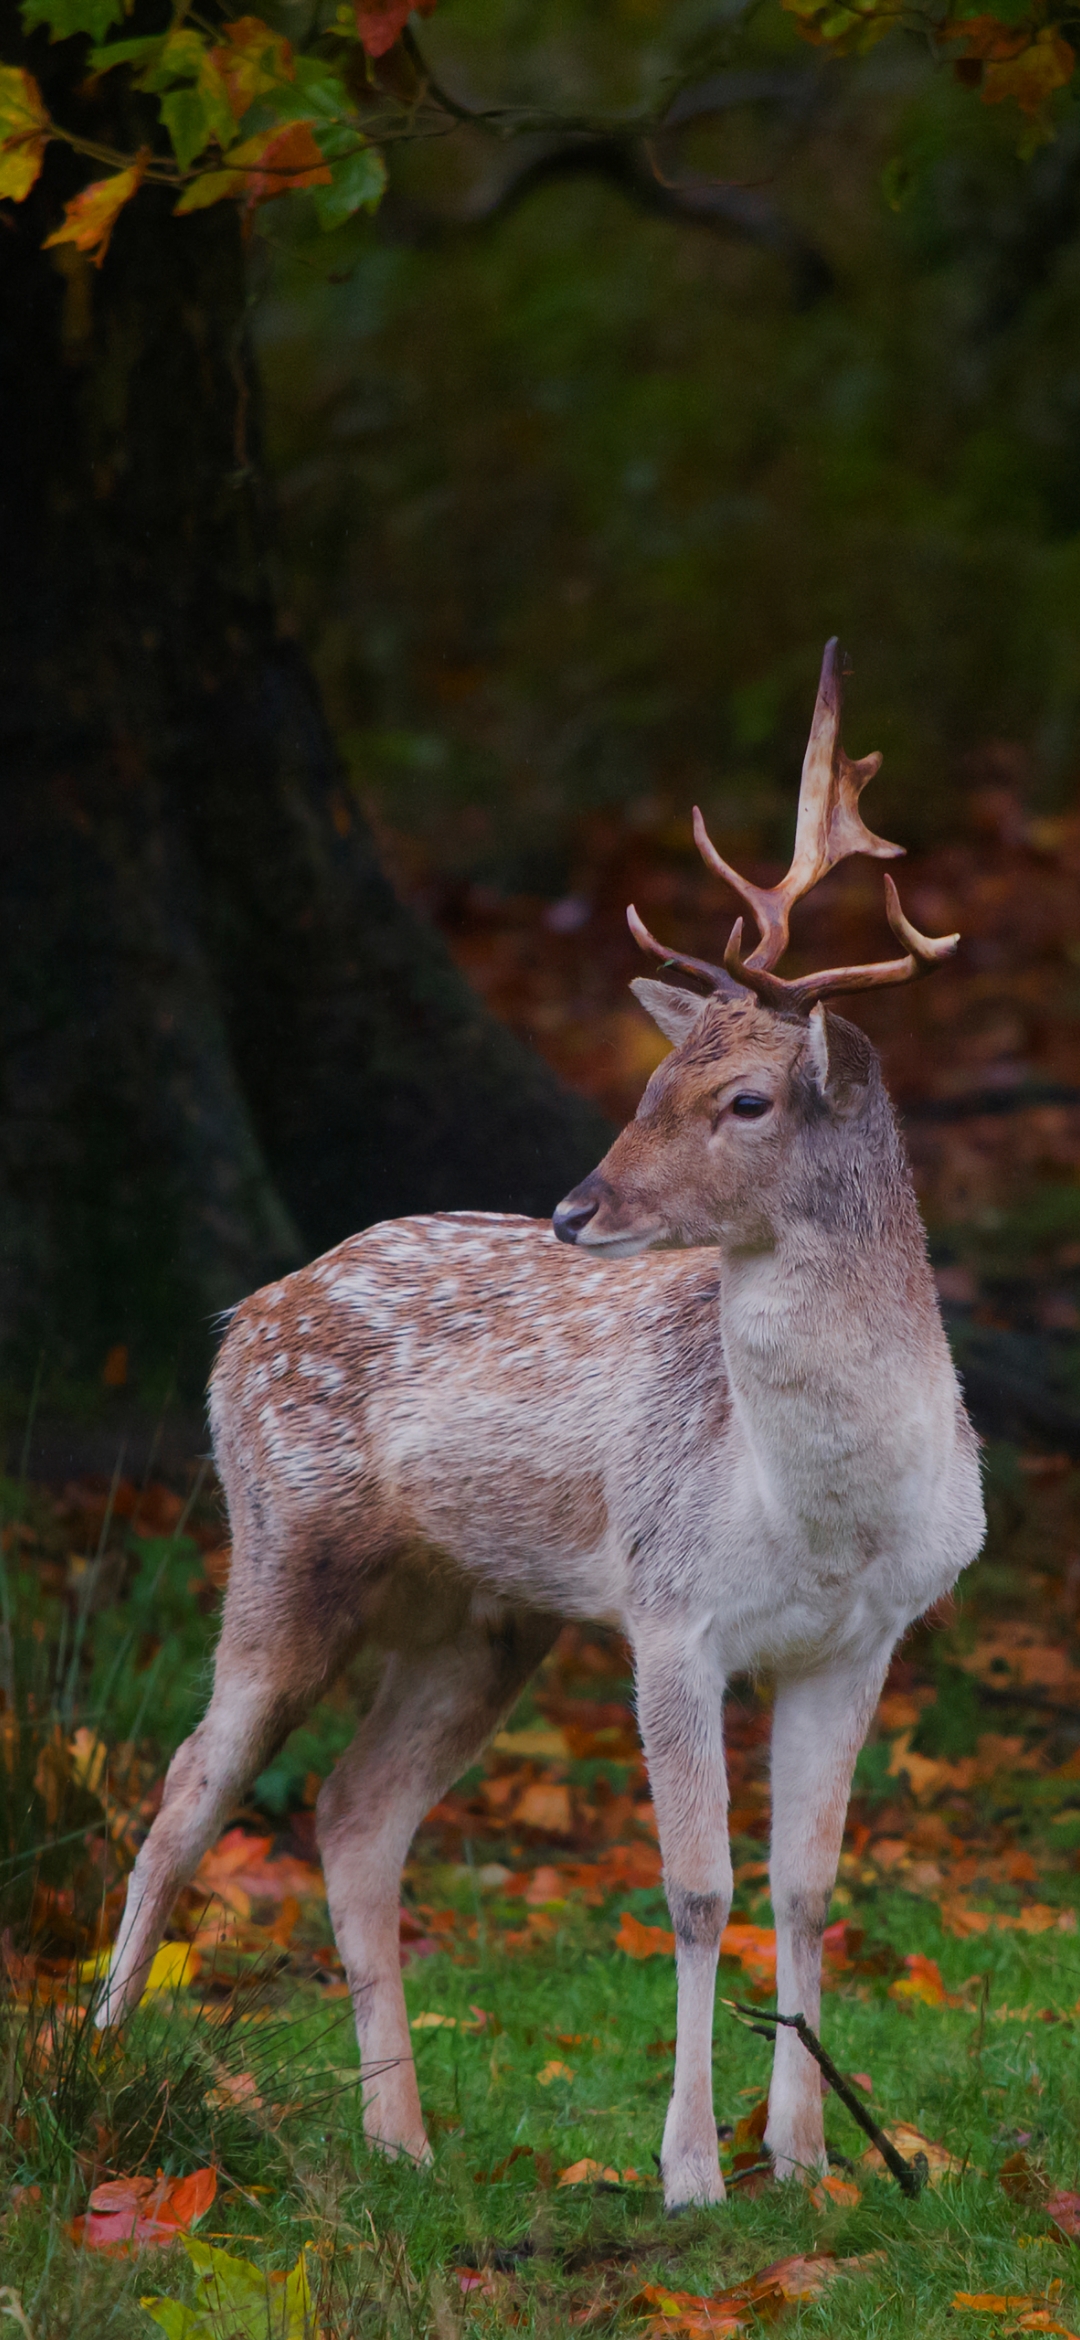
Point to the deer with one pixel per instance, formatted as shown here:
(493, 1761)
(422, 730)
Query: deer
(710, 1403)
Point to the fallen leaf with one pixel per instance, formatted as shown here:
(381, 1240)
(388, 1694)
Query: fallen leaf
(832, 2192)
(687, 2312)
(909, 2142)
(544, 1889)
(89, 1757)
(641, 1941)
(923, 1981)
(554, 2071)
(1064, 2209)
(587, 2173)
(433, 2023)
(545, 1805)
(172, 1967)
(1021, 2180)
(240, 2088)
(130, 2214)
(754, 1947)
(235, 2299)
(530, 1743)
(992, 2303)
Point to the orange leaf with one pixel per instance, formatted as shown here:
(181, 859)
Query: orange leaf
(754, 1947)
(89, 218)
(129, 2214)
(992, 2303)
(986, 37)
(251, 60)
(641, 1941)
(835, 2192)
(545, 1805)
(923, 1981)
(1044, 66)
(586, 2173)
(380, 22)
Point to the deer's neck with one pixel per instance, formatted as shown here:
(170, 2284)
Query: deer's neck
(841, 1379)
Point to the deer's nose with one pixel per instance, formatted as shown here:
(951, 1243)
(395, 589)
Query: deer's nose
(572, 1216)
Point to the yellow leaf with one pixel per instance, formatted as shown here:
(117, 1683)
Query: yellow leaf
(24, 131)
(536, 1741)
(89, 1756)
(433, 2023)
(89, 219)
(554, 2071)
(174, 1965)
(210, 187)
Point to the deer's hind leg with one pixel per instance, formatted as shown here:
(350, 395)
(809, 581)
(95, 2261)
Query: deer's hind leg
(434, 1711)
(269, 1669)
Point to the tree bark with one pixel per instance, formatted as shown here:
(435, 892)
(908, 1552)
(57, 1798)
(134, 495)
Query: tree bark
(224, 1043)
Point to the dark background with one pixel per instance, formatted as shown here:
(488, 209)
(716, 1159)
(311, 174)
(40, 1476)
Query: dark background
(376, 606)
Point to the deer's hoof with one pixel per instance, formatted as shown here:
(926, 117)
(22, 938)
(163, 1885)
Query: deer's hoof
(692, 2185)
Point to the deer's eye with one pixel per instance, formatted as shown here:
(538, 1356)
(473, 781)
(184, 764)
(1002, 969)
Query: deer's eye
(748, 1106)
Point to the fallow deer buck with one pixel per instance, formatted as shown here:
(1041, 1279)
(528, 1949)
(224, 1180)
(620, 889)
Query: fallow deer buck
(712, 1404)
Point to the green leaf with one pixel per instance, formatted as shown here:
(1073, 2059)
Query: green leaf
(178, 2321)
(191, 123)
(64, 17)
(125, 52)
(358, 185)
(182, 58)
(321, 91)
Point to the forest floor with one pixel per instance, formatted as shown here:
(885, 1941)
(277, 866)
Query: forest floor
(540, 1986)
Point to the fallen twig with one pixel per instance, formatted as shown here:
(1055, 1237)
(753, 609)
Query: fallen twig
(910, 2176)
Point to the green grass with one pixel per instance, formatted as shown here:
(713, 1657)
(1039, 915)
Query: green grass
(389, 2237)
(386, 2241)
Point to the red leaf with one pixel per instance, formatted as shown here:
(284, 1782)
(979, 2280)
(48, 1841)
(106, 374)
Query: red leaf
(381, 22)
(129, 2214)
(1064, 2209)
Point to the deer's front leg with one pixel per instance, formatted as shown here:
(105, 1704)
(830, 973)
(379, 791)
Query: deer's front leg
(680, 1707)
(819, 1725)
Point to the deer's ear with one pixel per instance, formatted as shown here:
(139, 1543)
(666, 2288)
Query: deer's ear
(841, 1062)
(676, 1012)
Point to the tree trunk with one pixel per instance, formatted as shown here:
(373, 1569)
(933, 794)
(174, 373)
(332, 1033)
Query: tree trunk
(224, 1044)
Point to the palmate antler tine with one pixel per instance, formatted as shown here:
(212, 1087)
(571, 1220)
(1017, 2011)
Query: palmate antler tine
(715, 977)
(796, 996)
(828, 826)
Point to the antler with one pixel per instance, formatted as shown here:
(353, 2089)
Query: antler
(829, 826)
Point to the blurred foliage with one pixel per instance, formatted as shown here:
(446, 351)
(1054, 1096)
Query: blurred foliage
(573, 494)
